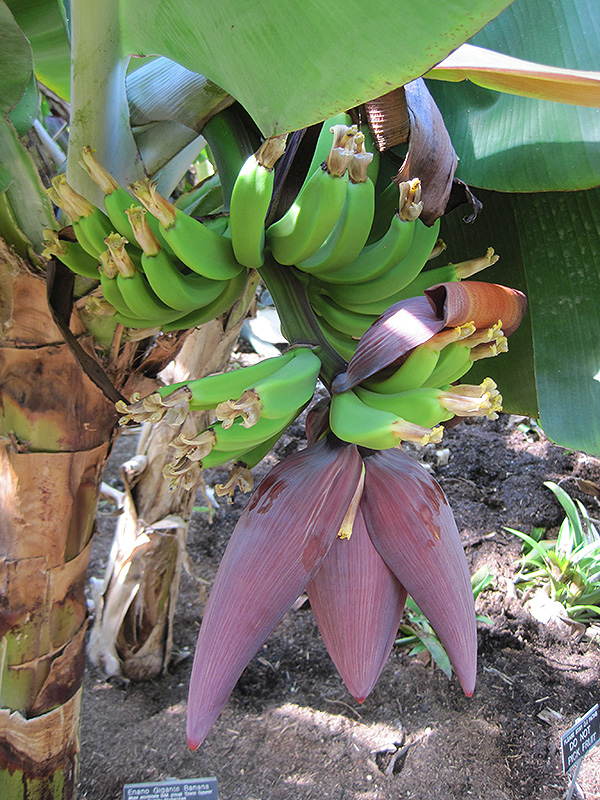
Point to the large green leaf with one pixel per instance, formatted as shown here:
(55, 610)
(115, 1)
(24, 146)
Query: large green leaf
(15, 61)
(549, 245)
(513, 143)
(297, 62)
(44, 25)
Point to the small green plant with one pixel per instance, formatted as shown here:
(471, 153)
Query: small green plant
(568, 567)
(420, 636)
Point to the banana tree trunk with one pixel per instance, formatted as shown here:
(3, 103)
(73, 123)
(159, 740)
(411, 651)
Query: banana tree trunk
(135, 604)
(55, 432)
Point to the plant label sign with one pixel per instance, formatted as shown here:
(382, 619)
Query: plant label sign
(580, 738)
(192, 789)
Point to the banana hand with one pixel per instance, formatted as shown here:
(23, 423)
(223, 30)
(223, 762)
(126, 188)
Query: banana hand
(352, 420)
(350, 323)
(429, 406)
(350, 232)
(207, 393)
(379, 258)
(197, 246)
(277, 395)
(401, 274)
(310, 219)
(181, 292)
(232, 292)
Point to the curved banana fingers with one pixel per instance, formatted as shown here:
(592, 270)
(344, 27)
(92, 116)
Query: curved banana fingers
(354, 421)
(311, 217)
(277, 395)
(380, 257)
(201, 249)
(207, 393)
(396, 278)
(350, 323)
(412, 374)
(72, 255)
(350, 232)
(232, 292)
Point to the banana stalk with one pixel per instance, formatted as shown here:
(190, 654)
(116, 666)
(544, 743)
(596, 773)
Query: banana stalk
(51, 459)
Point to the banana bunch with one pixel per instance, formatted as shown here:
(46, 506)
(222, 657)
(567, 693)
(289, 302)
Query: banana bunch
(159, 270)
(267, 397)
(411, 401)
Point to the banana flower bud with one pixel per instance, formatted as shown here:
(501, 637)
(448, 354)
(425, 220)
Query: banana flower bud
(279, 543)
(414, 321)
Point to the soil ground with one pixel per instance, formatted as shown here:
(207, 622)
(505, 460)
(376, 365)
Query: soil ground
(291, 731)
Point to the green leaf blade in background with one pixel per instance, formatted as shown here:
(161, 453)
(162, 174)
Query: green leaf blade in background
(520, 144)
(561, 232)
(44, 25)
(16, 60)
(296, 63)
(549, 246)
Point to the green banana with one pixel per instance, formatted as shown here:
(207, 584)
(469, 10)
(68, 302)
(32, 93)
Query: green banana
(90, 224)
(134, 287)
(312, 216)
(350, 323)
(72, 254)
(250, 458)
(350, 232)
(419, 406)
(376, 260)
(232, 292)
(423, 361)
(117, 200)
(207, 393)
(454, 361)
(343, 344)
(110, 289)
(178, 291)
(192, 453)
(412, 374)
(250, 200)
(429, 406)
(354, 421)
(277, 395)
(384, 286)
(238, 439)
(430, 277)
(199, 248)
(457, 358)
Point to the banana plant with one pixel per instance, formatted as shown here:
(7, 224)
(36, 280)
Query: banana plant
(207, 82)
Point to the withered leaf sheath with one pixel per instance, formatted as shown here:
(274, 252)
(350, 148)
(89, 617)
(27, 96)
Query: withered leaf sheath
(280, 541)
(411, 524)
